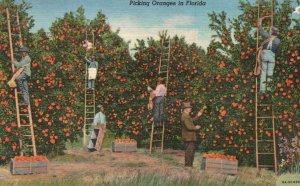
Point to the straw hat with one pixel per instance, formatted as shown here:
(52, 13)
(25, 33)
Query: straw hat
(186, 105)
(100, 106)
(23, 49)
(160, 79)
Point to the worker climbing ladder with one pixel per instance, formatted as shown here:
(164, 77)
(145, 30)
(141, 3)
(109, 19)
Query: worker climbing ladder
(264, 112)
(158, 131)
(89, 95)
(23, 112)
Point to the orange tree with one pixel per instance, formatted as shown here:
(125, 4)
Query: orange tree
(57, 82)
(186, 64)
(230, 91)
(222, 80)
(59, 75)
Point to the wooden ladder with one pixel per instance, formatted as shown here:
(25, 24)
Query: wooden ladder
(265, 139)
(24, 116)
(158, 131)
(89, 100)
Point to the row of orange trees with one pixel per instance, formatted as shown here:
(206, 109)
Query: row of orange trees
(220, 78)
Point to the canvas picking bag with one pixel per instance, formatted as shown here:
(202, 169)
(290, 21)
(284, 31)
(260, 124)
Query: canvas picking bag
(92, 73)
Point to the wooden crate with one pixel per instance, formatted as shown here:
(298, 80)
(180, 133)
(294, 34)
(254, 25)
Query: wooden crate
(124, 147)
(29, 167)
(213, 165)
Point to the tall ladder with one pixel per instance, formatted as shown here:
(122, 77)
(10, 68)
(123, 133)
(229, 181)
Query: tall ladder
(265, 140)
(89, 99)
(158, 131)
(24, 116)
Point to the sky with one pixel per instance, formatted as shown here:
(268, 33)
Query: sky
(137, 21)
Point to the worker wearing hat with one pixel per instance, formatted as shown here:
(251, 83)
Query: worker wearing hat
(21, 80)
(98, 130)
(158, 101)
(92, 71)
(189, 132)
(269, 48)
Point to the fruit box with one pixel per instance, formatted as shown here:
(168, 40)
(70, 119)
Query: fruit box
(223, 166)
(29, 167)
(124, 146)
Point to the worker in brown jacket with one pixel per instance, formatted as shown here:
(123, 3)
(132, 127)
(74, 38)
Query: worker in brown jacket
(189, 132)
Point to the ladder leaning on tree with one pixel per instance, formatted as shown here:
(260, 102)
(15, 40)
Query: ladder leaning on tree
(158, 131)
(264, 124)
(89, 97)
(24, 116)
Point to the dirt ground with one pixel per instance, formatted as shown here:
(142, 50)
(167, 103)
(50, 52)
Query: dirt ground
(107, 165)
(110, 164)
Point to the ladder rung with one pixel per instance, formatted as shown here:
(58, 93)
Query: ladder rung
(268, 128)
(89, 118)
(264, 105)
(265, 140)
(27, 135)
(25, 125)
(266, 165)
(164, 67)
(14, 34)
(156, 141)
(163, 72)
(266, 117)
(262, 6)
(155, 148)
(265, 153)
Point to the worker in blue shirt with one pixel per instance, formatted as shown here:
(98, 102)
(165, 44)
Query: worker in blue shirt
(269, 48)
(92, 72)
(98, 130)
(21, 80)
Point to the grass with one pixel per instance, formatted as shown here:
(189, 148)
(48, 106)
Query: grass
(130, 164)
(168, 158)
(71, 158)
(138, 180)
(108, 139)
(288, 177)
(134, 173)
